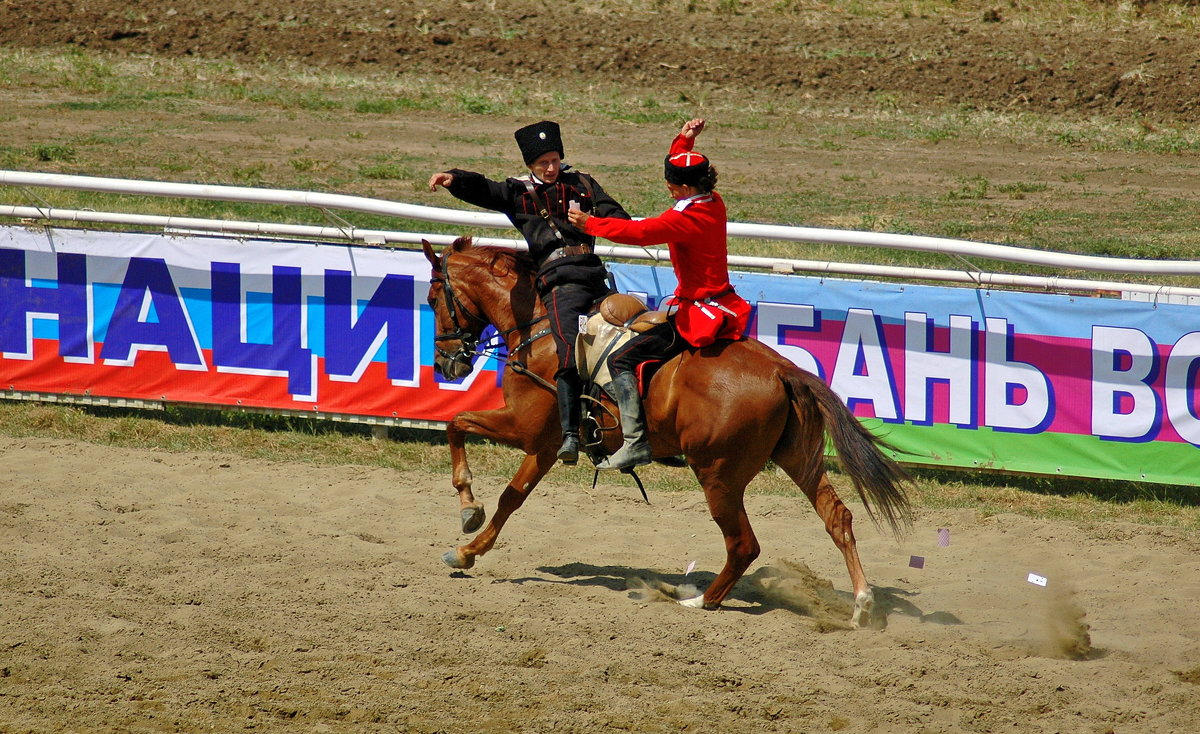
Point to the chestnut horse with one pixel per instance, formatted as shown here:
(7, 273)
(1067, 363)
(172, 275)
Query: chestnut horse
(727, 408)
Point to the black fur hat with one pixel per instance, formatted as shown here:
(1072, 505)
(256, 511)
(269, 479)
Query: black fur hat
(685, 169)
(537, 139)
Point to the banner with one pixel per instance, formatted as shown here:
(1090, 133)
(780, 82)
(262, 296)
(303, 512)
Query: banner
(1023, 382)
(1020, 382)
(325, 329)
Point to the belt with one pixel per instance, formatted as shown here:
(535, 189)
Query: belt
(566, 251)
(711, 301)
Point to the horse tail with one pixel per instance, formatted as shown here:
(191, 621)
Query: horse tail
(880, 481)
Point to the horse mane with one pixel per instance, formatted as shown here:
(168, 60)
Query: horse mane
(513, 259)
(498, 259)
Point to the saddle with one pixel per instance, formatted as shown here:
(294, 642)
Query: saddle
(618, 319)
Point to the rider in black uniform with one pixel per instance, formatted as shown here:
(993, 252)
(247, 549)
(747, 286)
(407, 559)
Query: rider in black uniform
(570, 276)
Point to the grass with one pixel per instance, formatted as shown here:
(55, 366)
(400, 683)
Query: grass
(195, 93)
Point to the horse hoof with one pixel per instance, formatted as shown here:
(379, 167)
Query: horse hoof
(696, 602)
(455, 558)
(864, 606)
(472, 518)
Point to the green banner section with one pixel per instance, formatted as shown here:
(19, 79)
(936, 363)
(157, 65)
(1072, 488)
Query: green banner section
(1049, 454)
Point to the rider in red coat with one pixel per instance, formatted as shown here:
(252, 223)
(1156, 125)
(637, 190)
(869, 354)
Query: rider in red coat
(708, 308)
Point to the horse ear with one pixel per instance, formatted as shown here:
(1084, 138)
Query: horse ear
(430, 255)
(463, 243)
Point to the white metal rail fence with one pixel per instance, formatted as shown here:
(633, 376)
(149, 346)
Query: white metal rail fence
(961, 249)
(36, 211)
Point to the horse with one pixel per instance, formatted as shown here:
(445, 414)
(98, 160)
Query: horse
(726, 408)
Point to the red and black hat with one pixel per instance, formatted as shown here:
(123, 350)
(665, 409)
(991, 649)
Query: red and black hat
(537, 139)
(685, 169)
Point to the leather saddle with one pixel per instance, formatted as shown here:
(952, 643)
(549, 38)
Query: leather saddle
(618, 319)
(626, 311)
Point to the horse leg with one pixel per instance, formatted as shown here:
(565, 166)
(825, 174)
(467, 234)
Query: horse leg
(533, 468)
(503, 426)
(800, 453)
(724, 486)
(471, 512)
(839, 523)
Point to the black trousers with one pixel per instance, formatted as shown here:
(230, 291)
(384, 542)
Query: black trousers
(566, 303)
(658, 344)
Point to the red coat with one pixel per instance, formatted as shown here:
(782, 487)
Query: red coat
(694, 232)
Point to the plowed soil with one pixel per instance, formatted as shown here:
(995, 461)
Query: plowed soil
(980, 59)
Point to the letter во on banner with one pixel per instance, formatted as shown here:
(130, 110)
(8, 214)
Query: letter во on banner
(1181, 392)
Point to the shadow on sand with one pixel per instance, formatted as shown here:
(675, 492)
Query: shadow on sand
(789, 586)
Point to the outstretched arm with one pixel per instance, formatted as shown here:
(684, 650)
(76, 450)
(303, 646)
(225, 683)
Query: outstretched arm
(670, 226)
(474, 188)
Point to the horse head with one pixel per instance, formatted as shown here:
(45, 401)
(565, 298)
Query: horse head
(458, 320)
(471, 287)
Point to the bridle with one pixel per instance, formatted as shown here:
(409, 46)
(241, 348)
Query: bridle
(467, 340)
(469, 347)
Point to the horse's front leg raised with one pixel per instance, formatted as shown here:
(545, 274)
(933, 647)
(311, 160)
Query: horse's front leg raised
(471, 511)
(525, 430)
(533, 468)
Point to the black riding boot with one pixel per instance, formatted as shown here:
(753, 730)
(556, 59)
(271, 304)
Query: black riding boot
(569, 393)
(635, 451)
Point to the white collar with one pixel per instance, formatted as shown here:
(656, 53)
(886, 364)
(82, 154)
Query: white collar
(697, 199)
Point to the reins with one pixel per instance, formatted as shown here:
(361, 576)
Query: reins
(467, 340)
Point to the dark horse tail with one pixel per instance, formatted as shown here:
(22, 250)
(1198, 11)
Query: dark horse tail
(880, 481)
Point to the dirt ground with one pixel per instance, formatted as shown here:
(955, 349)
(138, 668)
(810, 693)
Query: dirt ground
(145, 591)
(148, 591)
(990, 58)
